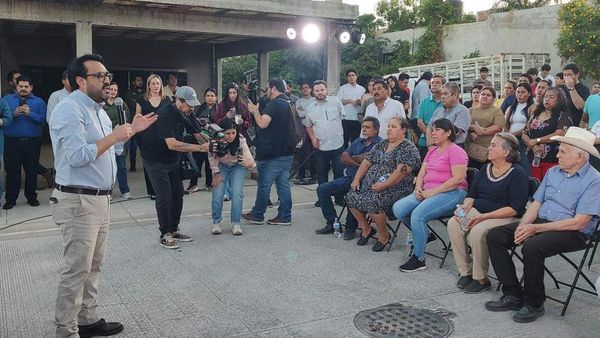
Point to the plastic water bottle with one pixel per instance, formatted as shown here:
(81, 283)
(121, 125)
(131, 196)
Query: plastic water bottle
(336, 228)
(536, 160)
(408, 244)
(462, 217)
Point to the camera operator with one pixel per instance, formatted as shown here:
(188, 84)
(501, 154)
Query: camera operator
(161, 145)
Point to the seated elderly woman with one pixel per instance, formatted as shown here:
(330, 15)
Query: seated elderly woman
(385, 176)
(497, 196)
(440, 186)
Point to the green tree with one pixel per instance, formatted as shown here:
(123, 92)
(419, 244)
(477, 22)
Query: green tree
(398, 14)
(235, 67)
(579, 33)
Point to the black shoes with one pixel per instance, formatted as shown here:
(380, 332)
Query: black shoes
(317, 204)
(378, 247)
(505, 303)
(8, 205)
(528, 313)
(248, 217)
(100, 328)
(326, 230)
(463, 281)
(413, 264)
(476, 287)
(364, 240)
(33, 202)
(349, 235)
(132, 169)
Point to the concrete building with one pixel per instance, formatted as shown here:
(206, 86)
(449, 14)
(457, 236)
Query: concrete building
(189, 37)
(525, 31)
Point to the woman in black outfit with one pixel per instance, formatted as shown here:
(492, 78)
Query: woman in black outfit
(153, 100)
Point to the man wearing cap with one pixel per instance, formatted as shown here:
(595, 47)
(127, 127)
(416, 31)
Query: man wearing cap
(160, 147)
(562, 217)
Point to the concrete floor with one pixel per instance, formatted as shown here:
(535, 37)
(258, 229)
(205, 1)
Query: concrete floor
(271, 282)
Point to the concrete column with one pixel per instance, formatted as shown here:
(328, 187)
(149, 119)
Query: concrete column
(83, 38)
(263, 69)
(333, 60)
(219, 78)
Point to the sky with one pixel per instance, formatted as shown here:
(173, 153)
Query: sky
(470, 6)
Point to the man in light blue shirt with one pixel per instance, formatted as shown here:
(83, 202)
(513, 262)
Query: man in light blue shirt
(84, 157)
(562, 217)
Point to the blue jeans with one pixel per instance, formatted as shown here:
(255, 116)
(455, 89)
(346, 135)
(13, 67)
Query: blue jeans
(122, 174)
(234, 178)
(275, 170)
(415, 214)
(337, 187)
(324, 158)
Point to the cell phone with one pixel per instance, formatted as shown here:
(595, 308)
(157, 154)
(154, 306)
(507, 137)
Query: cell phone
(239, 156)
(22, 101)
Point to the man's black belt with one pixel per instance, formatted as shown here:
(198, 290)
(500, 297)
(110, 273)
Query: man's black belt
(84, 191)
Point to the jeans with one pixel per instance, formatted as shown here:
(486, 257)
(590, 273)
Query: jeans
(351, 131)
(21, 152)
(324, 158)
(337, 187)
(122, 174)
(166, 178)
(415, 214)
(202, 159)
(275, 170)
(534, 251)
(234, 177)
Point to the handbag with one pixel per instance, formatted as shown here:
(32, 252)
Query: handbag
(189, 167)
(477, 152)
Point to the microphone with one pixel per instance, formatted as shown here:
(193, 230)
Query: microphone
(120, 112)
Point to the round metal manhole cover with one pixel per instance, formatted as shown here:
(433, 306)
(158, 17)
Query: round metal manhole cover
(398, 320)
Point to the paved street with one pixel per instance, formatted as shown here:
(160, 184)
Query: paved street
(273, 281)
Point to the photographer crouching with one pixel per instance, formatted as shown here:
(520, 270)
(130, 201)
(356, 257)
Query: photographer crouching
(229, 160)
(160, 146)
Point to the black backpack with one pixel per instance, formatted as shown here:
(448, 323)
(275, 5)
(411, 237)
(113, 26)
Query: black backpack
(296, 130)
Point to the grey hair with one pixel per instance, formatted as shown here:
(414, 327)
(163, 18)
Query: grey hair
(403, 122)
(583, 153)
(510, 143)
(453, 88)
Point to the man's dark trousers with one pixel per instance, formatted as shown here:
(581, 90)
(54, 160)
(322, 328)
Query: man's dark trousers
(337, 187)
(324, 159)
(534, 252)
(21, 152)
(166, 180)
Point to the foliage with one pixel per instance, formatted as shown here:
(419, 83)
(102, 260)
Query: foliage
(474, 54)
(509, 5)
(398, 14)
(234, 67)
(579, 32)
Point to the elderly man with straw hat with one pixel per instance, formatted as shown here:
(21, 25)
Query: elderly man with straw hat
(561, 219)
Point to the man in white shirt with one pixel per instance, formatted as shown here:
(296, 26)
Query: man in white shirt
(58, 95)
(171, 88)
(302, 105)
(350, 95)
(384, 108)
(324, 127)
(545, 74)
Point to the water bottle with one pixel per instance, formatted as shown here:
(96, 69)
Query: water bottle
(462, 217)
(383, 178)
(336, 228)
(408, 244)
(536, 160)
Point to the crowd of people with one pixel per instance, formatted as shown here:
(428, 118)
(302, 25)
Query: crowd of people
(393, 154)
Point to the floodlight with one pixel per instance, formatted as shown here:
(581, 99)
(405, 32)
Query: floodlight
(291, 33)
(311, 33)
(362, 39)
(358, 37)
(344, 36)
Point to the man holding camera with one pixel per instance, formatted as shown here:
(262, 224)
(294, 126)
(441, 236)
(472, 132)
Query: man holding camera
(22, 142)
(274, 156)
(161, 146)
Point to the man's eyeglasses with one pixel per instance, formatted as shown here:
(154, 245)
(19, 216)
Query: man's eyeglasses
(101, 76)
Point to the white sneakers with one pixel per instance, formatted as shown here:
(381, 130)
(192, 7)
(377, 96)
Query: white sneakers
(216, 229)
(236, 230)
(127, 196)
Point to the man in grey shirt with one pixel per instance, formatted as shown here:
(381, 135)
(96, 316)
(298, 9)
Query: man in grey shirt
(84, 157)
(452, 110)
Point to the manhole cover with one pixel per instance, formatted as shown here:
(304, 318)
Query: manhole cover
(398, 320)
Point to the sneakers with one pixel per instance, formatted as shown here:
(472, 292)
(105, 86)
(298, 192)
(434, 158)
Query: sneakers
(237, 230)
(476, 287)
(178, 236)
(217, 229)
(100, 328)
(278, 221)
(8, 205)
(167, 241)
(127, 196)
(528, 313)
(463, 281)
(153, 197)
(191, 189)
(207, 188)
(33, 202)
(413, 264)
(505, 303)
(248, 217)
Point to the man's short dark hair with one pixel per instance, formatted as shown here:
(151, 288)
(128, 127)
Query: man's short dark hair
(529, 77)
(373, 120)
(77, 68)
(24, 78)
(305, 82)
(403, 77)
(169, 74)
(133, 78)
(319, 82)
(441, 77)
(560, 75)
(546, 67)
(9, 76)
(484, 70)
(382, 83)
(572, 67)
(351, 71)
(532, 71)
(278, 84)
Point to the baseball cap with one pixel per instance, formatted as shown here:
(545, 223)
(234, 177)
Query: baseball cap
(188, 94)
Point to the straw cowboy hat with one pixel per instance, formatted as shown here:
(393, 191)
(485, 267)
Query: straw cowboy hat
(580, 138)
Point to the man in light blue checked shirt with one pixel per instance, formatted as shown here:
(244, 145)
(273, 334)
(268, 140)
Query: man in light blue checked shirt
(83, 142)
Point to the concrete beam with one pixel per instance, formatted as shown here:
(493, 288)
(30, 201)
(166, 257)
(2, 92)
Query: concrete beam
(139, 17)
(263, 69)
(333, 60)
(253, 46)
(83, 38)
